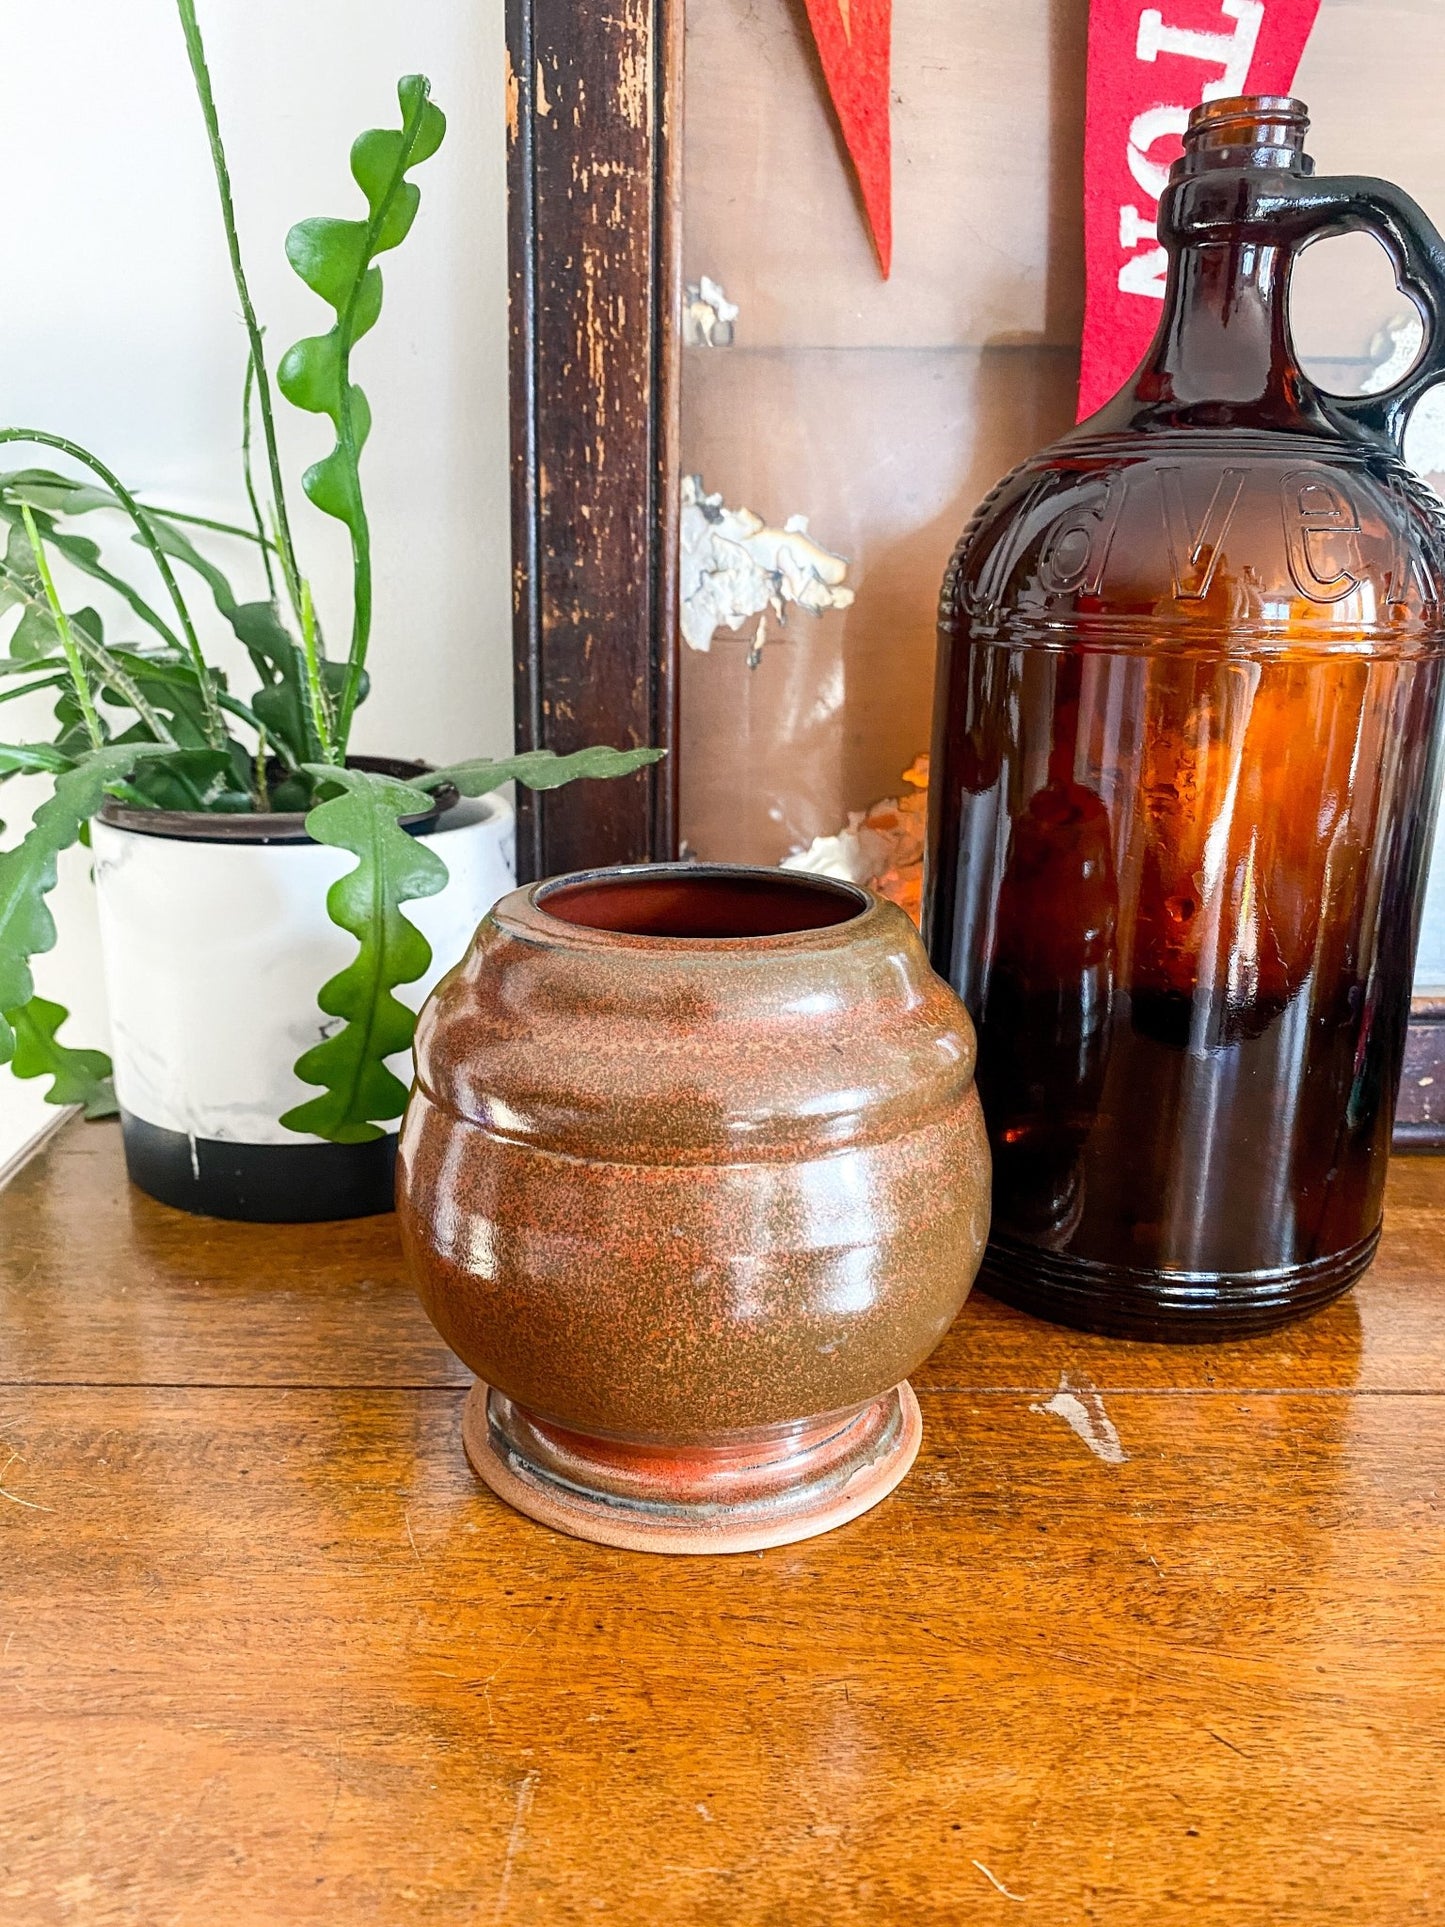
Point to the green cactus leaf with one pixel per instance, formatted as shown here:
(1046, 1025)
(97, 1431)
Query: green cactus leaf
(28, 871)
(76, 1076)
(539, 769)
(359, 1093)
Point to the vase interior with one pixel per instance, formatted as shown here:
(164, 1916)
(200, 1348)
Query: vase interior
(702, 904)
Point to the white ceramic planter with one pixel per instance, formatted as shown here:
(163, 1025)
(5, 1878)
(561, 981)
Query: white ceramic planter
(214, 952)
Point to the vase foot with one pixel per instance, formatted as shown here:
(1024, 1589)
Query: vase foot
(768, 1489)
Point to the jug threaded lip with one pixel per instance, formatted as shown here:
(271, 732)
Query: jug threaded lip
(1246, 130)
(1283, 107)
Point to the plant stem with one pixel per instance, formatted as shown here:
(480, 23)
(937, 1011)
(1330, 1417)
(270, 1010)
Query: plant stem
(115, 678)
(215, 728)
(360, 621)
(251, 497)
(96, 569)
(62, 629)
(263, 794)
(210, 522)
(136, 602)
(346, 436)
(320, 708)
(195, 49)
(108, 670)
(235, 707)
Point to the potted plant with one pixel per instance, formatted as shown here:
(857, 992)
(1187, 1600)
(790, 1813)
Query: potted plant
(250, 871)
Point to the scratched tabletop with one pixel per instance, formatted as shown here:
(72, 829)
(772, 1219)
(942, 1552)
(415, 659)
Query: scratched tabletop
(1149, 1634)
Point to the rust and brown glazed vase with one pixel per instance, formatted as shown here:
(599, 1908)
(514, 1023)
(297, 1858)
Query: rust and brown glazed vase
(694, 1174)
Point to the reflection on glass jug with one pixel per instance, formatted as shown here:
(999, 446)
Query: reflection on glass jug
(1048, 1005)
(1186, 758)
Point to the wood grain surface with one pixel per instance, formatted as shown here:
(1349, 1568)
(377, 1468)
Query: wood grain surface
(269, 1654)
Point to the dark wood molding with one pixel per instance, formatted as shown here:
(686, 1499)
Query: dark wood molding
(594, 98)
(1420, 1112)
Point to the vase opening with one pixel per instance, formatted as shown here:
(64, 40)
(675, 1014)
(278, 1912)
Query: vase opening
(690, 901)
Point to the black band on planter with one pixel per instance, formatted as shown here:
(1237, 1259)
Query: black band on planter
(260, 1183)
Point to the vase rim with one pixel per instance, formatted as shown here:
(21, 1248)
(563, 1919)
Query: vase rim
(740, 894)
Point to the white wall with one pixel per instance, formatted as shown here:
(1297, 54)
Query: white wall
(119, 327)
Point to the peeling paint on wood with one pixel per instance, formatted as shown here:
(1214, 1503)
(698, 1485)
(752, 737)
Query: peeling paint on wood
(634, 73)
(513, 99)
(881, 846)
(595, 301)
(734, 566)
(707, 315)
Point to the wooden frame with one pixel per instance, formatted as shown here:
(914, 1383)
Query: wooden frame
(1420, 1109)
(593, 100)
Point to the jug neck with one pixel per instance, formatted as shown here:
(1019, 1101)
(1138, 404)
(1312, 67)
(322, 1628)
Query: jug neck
(1222, 356)
(1224, 341)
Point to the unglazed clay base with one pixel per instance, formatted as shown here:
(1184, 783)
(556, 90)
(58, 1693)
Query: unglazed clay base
(771, 1490)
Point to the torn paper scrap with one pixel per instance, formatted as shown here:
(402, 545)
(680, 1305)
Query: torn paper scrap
(733, 567)
(881, 846)
(707, 315)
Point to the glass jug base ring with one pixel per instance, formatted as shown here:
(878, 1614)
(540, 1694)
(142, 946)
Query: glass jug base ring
(1173, 1308)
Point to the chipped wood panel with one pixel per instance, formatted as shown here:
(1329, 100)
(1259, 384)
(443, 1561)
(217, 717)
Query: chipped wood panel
(880, 411)
(988, 125)
(884, 411)
(988, 144)
(886, 454)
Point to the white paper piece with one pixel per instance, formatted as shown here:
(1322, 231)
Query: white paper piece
(707, 315)
(734, 566)
(854, 854)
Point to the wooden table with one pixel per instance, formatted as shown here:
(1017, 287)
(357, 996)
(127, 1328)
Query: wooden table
(269, 1654)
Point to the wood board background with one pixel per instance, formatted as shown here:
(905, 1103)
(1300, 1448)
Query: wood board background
(885, 411)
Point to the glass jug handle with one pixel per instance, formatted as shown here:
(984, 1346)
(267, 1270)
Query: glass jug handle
(1416, 249)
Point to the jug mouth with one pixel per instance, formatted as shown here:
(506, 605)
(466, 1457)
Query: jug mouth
(1245, 130)
(700, 901)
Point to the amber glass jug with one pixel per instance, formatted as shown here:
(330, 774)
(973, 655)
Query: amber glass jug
(1186, 760)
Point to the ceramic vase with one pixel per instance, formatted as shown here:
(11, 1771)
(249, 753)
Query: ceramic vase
(693, 1175)
(215, 941)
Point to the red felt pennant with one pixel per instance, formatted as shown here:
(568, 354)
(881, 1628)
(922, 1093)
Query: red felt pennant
(853, 39)
(1148, 66)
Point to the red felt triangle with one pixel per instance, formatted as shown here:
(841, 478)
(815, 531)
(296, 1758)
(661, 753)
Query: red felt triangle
(853, 39)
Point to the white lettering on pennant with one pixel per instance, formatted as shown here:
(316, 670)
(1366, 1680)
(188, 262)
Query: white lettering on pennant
(1145, 274)
(1146, 128)
(1232, 51)
(1134, 228)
